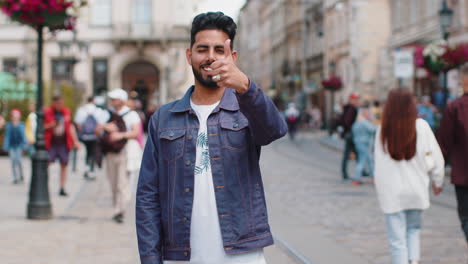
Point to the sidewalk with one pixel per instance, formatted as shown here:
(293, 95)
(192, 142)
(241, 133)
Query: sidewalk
(80, 232)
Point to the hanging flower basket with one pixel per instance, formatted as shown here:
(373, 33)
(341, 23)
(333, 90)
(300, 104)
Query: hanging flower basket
(53, 14)
(439, 57)
(333, 83)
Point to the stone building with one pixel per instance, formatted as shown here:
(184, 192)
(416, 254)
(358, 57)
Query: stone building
(138, 45)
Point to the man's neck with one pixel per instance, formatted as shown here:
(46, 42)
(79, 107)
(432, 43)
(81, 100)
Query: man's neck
(206, 96)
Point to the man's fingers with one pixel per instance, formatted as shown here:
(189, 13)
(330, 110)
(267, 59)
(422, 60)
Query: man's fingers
(217, 64)
(227, 49)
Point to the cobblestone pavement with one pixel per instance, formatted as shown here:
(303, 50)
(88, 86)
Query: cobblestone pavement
(304, 192)
(315, 218)
(81, 231)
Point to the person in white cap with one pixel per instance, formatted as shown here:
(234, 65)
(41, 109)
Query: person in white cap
(116, 159)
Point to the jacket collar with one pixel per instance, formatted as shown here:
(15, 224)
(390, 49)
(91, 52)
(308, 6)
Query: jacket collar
(228, 102)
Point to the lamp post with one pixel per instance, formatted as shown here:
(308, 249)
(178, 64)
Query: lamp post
(445, 19)
(39, 206)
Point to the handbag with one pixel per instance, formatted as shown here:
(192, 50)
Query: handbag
(430, 162)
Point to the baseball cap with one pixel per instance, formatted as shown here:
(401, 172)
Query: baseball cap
(354, 96)
(119, 94)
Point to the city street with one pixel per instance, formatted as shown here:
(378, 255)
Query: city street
(315, 217)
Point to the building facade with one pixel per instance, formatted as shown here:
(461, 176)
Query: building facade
(137, 45)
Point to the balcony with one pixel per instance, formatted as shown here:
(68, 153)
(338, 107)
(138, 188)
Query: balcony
(149, 32)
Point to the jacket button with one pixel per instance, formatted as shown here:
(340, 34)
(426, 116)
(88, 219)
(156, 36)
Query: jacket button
(236, 125)
(187, 190)
(190, 137)
(184, 219)
(171, 134)
(185, 253)
(188, 163)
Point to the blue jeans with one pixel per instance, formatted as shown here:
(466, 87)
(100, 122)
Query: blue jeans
(16, 167)
(364, 157)
(403, 230)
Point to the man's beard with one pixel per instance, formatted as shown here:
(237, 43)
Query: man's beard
(209, 83)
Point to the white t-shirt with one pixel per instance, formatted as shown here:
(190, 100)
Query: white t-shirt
(99, 114)
(130, 118)
(205, 233)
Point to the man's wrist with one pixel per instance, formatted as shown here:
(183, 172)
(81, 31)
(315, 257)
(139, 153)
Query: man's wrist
(245, 86)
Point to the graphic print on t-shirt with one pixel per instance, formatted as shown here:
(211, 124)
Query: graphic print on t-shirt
(202, 142)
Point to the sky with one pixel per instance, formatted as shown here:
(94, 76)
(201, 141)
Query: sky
(228, 7)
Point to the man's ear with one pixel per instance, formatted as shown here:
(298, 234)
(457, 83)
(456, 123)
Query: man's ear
(234, 55)
(188, 55)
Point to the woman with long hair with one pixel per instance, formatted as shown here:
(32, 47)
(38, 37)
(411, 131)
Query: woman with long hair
(407, 158)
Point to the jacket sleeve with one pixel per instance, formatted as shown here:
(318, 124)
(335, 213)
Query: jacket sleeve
(446, 134)
(438, 173)
(265, 121)
(148, 208)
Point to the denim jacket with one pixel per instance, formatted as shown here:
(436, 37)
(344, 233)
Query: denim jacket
(8, 134)
(237, 128)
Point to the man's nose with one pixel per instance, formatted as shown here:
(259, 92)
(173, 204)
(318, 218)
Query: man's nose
(211, 55)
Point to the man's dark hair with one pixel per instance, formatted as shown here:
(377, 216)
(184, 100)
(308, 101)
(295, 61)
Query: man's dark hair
(90, 99)
(56, 97)
(213, 20)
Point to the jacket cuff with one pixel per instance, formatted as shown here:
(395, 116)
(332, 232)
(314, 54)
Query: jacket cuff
(249, 95)
(157, 259)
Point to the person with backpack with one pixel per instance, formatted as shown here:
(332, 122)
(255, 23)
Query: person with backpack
(121, 126)
(292, 119)
(86, 120)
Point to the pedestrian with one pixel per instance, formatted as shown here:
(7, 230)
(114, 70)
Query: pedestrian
(135, 146)
(292, 119)
(347, 119)
(453, 139)
(316, 115)
(31, 125)
(426, 111)
(60, 137)
(86, 120)
(14, 143)
(363, 131)
(376, 111)
(2, 121)
(407, 158)
(119, 128)
(200, 196)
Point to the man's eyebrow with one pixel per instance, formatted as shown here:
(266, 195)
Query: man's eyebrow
(202, 46)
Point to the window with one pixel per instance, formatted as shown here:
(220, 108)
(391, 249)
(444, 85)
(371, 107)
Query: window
(415, 9)
(10, 65)
(99, 76)
(62, 69)
(142, 11)
(101, 13)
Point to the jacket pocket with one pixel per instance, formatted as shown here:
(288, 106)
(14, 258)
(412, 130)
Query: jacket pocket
(235, 133)
(172, 143)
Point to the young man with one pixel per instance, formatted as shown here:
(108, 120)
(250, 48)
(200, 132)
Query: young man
(116, 162)
(86, 120)
(453, 140)
(350, 112)
(200, 196)
(60, 136)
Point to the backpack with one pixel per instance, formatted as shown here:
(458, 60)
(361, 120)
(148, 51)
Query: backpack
(114, 146)
(88, 128)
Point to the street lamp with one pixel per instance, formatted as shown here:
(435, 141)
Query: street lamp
(445, 18)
